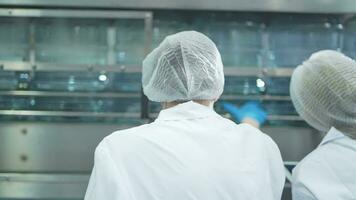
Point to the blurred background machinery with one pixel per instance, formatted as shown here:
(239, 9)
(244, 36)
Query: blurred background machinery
(70, 74)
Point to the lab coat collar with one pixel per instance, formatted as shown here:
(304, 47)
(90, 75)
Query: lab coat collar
(184, 111)
(333, 134)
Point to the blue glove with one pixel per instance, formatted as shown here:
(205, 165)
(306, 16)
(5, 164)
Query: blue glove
(251, 109)
(233, 110)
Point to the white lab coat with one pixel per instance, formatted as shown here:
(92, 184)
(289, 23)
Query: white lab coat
(188, 153)
(329, 172)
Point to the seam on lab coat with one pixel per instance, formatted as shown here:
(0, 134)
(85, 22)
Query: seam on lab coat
(300, 195)
(299, 187)
(337, 177)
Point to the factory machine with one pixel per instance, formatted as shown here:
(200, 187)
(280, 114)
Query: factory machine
(70, 74)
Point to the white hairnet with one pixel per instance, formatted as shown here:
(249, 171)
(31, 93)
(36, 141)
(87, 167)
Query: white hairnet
(323, 91)
(185, 66)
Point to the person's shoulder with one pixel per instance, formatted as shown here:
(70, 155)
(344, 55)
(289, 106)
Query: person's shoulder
(241, 127)
(313, 158)
(124, 137)
(128, 132)
(248, 129)
(255, 133)
(249, 132)
(309, 166)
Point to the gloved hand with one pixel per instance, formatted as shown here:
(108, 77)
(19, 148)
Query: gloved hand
(252, 110)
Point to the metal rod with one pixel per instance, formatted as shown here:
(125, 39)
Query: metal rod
(50, 67)
(241, 71)
(340, 37)
(145, 111)
(284, 118)
(256, 97)
(32, 42)
(68, 114)
(53, 67)
(44, 178)
(290, 162)
(265, 49)
(111, 42)
(255, 71)
(70, 94)
(279, 72)
(63, 13)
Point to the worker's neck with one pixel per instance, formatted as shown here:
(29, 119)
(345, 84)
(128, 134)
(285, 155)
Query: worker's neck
(208, 103)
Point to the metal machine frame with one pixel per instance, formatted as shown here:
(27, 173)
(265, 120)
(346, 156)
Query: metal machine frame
(32, 65)
(299, 6)
(51, 185)
(24, 135)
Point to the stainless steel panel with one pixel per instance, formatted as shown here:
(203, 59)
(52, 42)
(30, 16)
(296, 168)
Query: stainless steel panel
(70, 147)
(294, 142)
(50, 147)
(56, 186)
(43, 186)
(317, 6)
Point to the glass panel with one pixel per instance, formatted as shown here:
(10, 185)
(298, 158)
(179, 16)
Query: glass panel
(73, 81)
(155, 107)
(130, 47)
(165, 24)
(277, 86)
(238, 38)
(292, 39)
(86, 82)
(242, 85)
(279, 108)
(271, 107)
(130, 105)
(71, 41)
(127, 82)
(349, 39)
(8, 80)
(14, 39)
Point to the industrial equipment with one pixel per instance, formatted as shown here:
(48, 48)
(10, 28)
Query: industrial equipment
(72, 75)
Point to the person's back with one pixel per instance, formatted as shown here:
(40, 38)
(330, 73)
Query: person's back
(189, 152)
(323, 90)
(329, 171)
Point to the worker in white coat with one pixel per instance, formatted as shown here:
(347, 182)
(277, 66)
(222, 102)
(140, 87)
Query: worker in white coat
(189, 152)
(323, 90)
